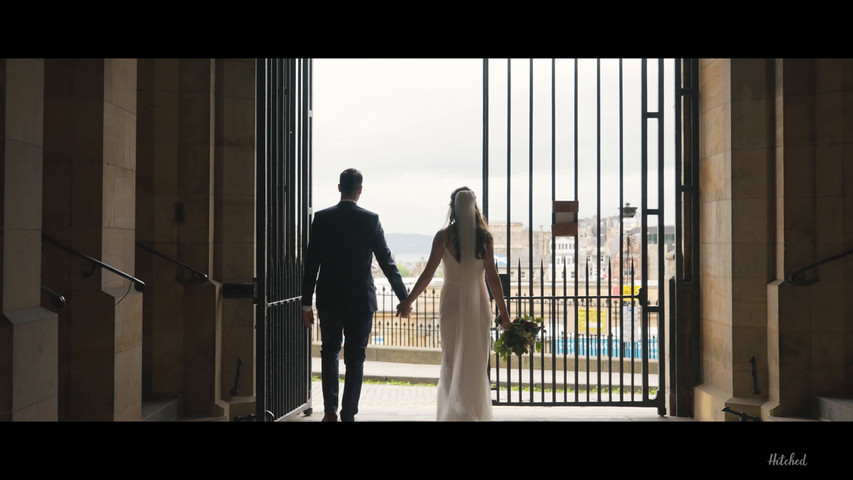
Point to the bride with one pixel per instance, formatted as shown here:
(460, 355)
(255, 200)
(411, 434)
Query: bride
(466, 248)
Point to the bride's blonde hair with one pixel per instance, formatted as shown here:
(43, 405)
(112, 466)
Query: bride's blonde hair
(483, 236)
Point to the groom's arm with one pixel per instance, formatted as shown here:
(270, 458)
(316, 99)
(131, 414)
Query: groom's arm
(386, 263)
(312, 266)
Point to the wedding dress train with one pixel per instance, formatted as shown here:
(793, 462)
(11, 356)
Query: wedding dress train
(464, 392)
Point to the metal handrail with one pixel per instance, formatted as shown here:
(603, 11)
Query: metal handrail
(56, 299)
(137, 283)
(744, 417)
(195, 273)
(799, 275)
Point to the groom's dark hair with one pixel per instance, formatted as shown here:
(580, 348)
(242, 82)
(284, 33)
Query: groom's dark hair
(350, 181)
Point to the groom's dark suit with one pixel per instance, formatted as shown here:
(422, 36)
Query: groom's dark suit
(343, 240)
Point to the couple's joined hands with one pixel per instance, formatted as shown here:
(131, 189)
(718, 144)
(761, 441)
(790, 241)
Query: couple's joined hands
(404, 309)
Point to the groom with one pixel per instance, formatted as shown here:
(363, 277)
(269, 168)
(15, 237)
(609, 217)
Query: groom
(343, 240)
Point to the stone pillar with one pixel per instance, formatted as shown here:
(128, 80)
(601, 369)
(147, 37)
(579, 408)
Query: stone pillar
(809, 322)
(736, 106)
(715, 238)
(752, 153)
(158, 214)
(89, 208)
(234, 231)
(29, 384)
(195, 237)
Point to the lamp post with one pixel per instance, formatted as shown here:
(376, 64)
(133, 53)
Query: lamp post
(628, 212)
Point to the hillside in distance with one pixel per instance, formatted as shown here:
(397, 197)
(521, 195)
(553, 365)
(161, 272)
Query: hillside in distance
(406, 243)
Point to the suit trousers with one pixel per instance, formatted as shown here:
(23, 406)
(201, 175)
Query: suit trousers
(352, 331)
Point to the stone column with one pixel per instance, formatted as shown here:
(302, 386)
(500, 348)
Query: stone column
(158, 213)
(234, 231)
(29, 383)
(195, 237)
(736, 106)
(809, 322)
(89, 209)
(752, 236)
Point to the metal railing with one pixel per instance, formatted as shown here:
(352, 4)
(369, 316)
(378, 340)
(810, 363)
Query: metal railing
(195, 275)
(421, 330)
(799, 277)
(57, 300)
(137, 283)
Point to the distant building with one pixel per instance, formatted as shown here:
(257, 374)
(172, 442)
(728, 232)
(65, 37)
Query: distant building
(520, 251)
(598, 250)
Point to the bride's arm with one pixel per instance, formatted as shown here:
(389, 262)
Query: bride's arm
(495, 286)
(405, 307)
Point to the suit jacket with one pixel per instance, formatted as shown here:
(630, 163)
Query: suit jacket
(343, 240)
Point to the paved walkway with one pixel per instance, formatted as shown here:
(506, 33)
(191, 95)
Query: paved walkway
(387, 402)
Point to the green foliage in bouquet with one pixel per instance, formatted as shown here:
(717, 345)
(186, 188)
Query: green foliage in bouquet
(522, 336)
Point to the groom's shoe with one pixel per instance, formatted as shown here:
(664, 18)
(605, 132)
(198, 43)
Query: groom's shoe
(330, 417)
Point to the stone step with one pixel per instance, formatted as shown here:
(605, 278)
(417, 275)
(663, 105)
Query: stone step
(834, 409)
(163, 410)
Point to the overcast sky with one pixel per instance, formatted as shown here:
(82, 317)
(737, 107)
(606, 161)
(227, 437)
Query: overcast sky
(414, 127)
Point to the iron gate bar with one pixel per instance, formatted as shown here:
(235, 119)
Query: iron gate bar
(621, 222)
(530, 200)
(283, 382)
(680, 90)
(577, 199)
(530, 186)
(553, 199)
(661, 231)
(687, 250)
(644, 202)
(586, 329)
(597, 217)
(637, 297)
(622, 225)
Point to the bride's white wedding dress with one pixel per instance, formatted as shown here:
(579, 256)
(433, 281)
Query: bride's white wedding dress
(464, 392)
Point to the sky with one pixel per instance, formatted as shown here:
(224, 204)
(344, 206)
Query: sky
(414, 127)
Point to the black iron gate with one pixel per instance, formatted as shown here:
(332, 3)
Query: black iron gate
(283, 345)
(598, 138)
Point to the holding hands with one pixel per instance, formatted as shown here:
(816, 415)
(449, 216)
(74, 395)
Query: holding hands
(404, 309)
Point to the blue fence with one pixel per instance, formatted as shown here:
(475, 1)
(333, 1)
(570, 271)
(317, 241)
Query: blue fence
(601, 346)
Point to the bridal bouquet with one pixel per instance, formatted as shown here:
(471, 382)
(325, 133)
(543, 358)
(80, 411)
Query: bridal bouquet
(522, 336)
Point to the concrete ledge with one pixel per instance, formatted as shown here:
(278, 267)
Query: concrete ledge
(416, 355)
(383, 353)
